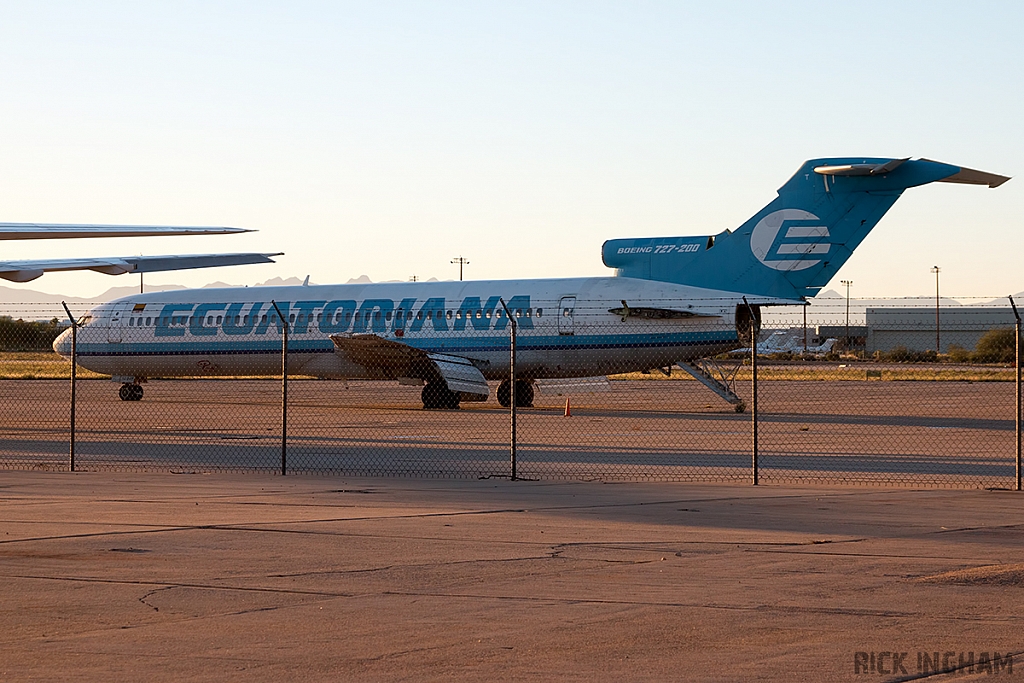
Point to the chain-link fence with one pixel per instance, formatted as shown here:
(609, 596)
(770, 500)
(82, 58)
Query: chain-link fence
(881, 392)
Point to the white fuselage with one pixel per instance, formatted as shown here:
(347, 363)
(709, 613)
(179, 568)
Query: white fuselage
(565, 327)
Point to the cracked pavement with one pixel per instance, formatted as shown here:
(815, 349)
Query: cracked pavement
(196, 577)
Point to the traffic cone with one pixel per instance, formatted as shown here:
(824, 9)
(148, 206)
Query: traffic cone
(568, 409)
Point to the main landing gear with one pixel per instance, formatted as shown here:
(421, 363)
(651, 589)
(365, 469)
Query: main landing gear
(524, 393)
(130, 392)
(437, 396)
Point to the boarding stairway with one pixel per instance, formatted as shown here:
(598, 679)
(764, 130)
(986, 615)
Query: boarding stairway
(712, 375)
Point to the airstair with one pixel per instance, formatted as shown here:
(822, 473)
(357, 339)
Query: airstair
(718, 379)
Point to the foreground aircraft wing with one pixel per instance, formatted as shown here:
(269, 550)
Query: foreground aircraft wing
(39, 231)
(388, 359)
(24, 271)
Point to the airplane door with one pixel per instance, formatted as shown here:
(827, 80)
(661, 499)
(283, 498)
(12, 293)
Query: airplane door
(114, 328)
(566, 311)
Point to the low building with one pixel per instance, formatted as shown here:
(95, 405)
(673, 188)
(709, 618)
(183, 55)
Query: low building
(914, 328)
(852, 338)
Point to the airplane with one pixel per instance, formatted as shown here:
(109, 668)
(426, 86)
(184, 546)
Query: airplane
(28, 270)
(788, 341)
(672, 301)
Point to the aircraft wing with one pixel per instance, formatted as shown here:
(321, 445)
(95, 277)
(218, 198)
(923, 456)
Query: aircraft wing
(388, 359)
(37, 231)
(24, 271)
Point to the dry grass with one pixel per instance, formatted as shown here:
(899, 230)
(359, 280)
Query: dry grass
(832, 373)
(39, 365)
(47, 365)
(990, 575)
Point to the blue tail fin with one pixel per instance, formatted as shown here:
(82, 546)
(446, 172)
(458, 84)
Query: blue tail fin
(792, 247)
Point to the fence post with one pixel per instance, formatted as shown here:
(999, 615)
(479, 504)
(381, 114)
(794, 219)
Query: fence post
(512, 386)
(753, 399)
(284, 388)
(74, 367)
(1016, 356)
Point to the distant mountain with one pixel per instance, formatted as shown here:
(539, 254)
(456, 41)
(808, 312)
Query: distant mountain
(279, 282)
(1018, 299)
(9, 295)
(831, 298)
(829, 308)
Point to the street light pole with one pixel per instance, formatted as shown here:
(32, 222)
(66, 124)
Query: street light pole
(805, 326)
(935, 269)
(462, 261)
(847, 283)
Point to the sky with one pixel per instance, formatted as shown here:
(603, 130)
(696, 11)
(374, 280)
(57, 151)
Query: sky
(387, 138)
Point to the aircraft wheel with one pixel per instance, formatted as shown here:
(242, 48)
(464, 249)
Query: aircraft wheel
(452, 400)
(524, 393)
(740, 407)
(130, 392)
(437, 396)
(505, 393)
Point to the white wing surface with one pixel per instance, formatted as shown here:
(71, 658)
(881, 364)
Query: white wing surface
(388, 359)
(24, 271)
(40, 231)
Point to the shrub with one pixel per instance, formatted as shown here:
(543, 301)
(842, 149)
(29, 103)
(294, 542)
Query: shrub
(958, 354)
(21, 335)
(996, 346)
(901, 354)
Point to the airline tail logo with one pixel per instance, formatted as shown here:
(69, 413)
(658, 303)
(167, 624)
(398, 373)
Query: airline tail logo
(790, 239)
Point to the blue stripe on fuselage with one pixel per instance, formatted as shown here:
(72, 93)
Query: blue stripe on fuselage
(430, 345)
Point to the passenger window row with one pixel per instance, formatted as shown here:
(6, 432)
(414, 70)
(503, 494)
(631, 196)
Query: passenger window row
(339, 317)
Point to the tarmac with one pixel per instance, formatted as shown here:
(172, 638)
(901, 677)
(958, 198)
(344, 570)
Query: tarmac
(108, 576)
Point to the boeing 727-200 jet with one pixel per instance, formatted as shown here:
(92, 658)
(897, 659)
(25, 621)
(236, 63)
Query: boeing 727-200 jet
(673, 300)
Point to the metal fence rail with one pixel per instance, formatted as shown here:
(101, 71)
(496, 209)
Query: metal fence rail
(782, 402)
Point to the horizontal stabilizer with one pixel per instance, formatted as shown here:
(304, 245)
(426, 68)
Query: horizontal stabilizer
(388, 359)
(42, 231)
(969, 176)
(24, 271)
(861, 169)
